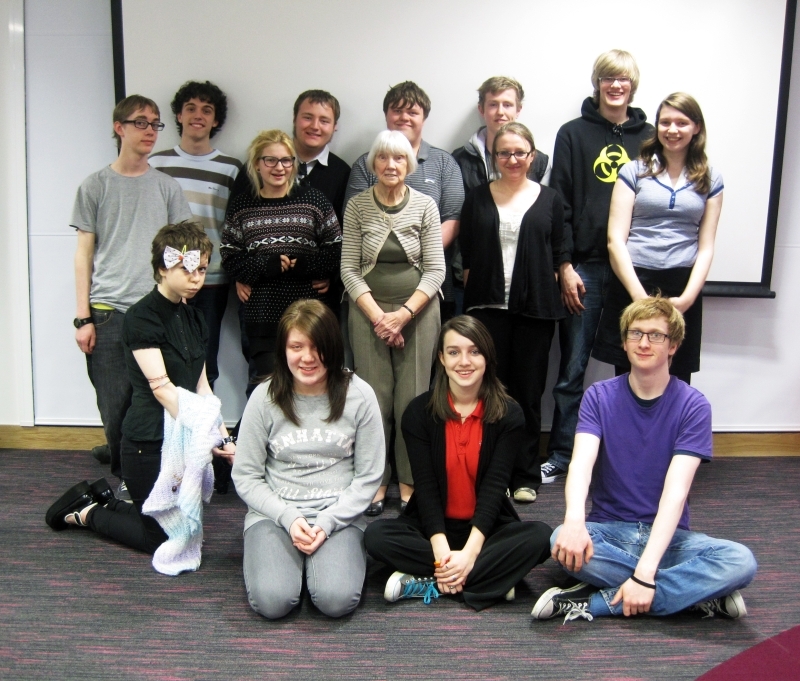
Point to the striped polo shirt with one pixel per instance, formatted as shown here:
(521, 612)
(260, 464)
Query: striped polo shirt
(206, 182)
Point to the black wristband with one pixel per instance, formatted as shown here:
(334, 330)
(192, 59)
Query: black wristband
(641, 583)
(410, 311)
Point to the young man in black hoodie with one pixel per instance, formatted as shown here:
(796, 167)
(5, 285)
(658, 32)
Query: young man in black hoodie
(589, 152)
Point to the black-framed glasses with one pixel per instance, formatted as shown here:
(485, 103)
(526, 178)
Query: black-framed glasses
(142, 124)
(519, 155)
(652, 336)
(272, 161)
(610, 80)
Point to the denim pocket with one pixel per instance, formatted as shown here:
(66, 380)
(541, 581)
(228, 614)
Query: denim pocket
(100, 317)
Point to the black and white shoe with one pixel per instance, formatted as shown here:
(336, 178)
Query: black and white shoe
(573, 603)
(551, 472)
(731, 607)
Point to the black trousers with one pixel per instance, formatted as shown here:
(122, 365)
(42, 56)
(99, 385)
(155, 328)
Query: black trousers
(523, 354)
(508, 554)
(124, 522)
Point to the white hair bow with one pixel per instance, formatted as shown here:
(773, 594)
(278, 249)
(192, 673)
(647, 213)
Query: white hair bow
(190, 259)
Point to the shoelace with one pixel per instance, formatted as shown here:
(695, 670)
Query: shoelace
(425, 589)
(574, 610)
(710, 608)
(548, 468)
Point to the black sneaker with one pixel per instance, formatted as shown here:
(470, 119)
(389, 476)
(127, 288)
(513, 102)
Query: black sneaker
(401, 585)
(731, 606)
(572, 603)
(551, 472)
(122, 492)
(102, 453)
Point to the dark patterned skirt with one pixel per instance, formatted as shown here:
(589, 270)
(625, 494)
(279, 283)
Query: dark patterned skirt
(671, 283)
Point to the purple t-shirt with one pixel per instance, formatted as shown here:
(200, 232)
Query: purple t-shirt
(637, 444)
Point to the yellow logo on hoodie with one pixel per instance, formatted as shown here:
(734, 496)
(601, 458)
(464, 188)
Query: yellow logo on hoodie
(608, 163)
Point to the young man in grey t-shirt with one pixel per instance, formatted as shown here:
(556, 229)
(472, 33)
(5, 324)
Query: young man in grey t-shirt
(117, 212)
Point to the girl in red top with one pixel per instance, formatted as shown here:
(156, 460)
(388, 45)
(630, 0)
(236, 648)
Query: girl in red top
(460, 533)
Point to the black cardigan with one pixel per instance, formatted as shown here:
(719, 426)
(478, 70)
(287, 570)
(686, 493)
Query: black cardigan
(534, 289)
(425, 441)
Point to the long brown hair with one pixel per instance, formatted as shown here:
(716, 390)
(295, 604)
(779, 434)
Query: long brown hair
(315, 320)
(494, 395)
(652, 151)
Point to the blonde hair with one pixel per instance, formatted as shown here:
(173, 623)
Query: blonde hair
(257, 146)
(649, 308)
(615, 63)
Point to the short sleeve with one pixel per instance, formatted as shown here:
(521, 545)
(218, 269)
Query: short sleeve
(84, 211)
(630, 174)
(694, 435)
(143, 329)
(589, 414)
(717, 185)
(452, 189)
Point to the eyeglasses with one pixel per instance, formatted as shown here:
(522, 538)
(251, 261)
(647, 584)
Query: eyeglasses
(272, 161)
(610, 80)
(142, 124)
(519, 155)
(652, 336)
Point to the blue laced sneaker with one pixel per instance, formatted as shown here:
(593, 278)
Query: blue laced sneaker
(401, 585)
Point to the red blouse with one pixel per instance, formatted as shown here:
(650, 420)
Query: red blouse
(463, 446)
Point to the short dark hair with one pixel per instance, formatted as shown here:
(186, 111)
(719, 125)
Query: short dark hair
(494, 395)
(125, 108)
(406, 94)
(315, 320)
(205, 92)
(318, 97)
(186, 234)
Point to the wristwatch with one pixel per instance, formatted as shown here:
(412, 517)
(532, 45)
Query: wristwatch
(78, 323)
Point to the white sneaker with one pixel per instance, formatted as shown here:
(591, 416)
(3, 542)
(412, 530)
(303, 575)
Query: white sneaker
(525, 495)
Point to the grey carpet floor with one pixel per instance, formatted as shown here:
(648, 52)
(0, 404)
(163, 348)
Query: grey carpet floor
(75, 606)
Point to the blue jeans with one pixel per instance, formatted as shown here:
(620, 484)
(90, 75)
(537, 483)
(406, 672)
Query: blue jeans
(212, 301)
(109, 376)
(575, 336)
(693, 569)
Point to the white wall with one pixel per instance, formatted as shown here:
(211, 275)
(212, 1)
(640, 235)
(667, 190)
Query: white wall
(16, 395)
(750, 369)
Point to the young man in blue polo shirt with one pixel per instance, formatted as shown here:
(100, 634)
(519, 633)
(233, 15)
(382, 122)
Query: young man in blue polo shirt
(640, 439)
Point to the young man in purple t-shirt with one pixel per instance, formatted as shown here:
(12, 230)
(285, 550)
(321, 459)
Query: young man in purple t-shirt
(640, 438)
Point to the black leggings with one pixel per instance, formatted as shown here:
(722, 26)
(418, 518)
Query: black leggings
(124, 522)
(509, 553)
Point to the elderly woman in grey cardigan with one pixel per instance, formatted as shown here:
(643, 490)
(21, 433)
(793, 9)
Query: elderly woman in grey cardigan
(393, 267)
(309, 459)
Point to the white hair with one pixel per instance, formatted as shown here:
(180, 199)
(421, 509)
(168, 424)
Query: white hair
(392, 143)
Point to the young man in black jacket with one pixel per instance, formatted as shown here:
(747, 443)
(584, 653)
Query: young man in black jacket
(589, 151)
(499, 102)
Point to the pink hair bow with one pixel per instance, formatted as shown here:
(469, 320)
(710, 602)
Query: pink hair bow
(190, 259)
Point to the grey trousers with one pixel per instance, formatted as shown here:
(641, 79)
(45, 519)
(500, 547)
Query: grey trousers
(273, 571)
(396, 376)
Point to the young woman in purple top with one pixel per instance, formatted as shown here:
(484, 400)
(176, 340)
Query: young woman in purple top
(661, 230)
